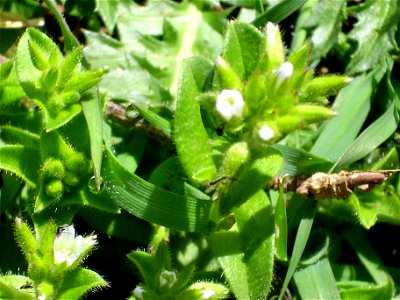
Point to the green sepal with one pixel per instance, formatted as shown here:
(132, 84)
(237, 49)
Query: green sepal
(5, 70)
(255, 90)
(26, 240)
(68, 98)
(68, 66)
(273, 55)
(84, 80)
(264, 164)
(312, 113)
(324, 86)
(49, 79)
(226, 76)
(39, 57)
(289, 123)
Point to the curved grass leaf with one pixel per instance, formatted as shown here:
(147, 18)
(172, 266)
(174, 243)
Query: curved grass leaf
(191, 139)
(279, 12)
(159, 122)
(22, 161)
(303, 232)
(370, 138)
(320, 277)
(151, 203)
(352, 106)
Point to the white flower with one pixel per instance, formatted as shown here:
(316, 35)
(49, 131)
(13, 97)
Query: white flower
(167, 278)
(207, 294)
(285, 71)
(138, 292)
(42, 297)
(68, 248)
(266, 133)
(230, 103)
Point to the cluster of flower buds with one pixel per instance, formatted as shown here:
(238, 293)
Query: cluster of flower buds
(278, 97)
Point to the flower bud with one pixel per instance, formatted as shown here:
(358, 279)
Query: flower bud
(285, 71)
(324, 86)
(167, 278)
(312, 113)
(55, 189)
(38, 56)
(273, 47)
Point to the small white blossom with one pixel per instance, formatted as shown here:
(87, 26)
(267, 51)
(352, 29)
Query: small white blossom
(42, 297)
(285, 71)
(230, 103)
(167, 278)
(68, 248)
(266, 133)
(207, 294)
(138, 292)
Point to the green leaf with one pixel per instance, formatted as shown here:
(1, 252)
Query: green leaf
(365, 290)
(108, 10)
(320, 277)
(326, 21)
(352, 106)
(263, 166)
(159, 122)
(245, 252)
(374, 135)
(11, 288)
(356, 237)
(15, 135)
(278, 12)
(22, 161)
(243, 48)
(374, 34)
(196, 158)
(300, 242)
(281, 230)
(78, 282)
(94, 118)
(55, 118)
(151, 203)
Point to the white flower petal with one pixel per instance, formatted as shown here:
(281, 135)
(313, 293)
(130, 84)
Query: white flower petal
(230, 103)
(285, 71)
(266, 133)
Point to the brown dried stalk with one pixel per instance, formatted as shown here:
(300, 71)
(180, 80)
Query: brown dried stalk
(327, 186)
(118, 113)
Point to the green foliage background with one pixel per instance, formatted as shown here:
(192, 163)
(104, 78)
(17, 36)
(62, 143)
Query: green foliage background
(106, 122)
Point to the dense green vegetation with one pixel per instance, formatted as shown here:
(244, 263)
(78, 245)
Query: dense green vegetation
(139, 140)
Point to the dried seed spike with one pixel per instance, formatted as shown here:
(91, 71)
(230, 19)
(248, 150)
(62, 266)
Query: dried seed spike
(339, 185)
